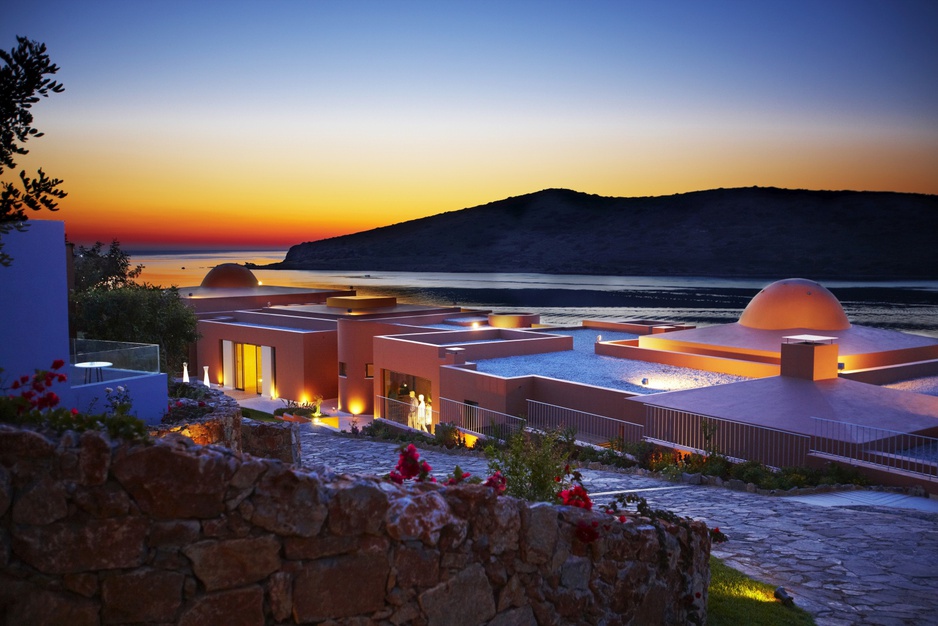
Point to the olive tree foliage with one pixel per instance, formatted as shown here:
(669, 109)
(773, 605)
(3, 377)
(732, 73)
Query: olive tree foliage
(107, 304)
(140, 314)
(24, 79)
(95, 269)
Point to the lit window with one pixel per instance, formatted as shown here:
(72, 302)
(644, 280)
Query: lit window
(369, 370)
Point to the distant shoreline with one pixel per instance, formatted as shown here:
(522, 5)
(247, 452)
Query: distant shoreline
(818, 276)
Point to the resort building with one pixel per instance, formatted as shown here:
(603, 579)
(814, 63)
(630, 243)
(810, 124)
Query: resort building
(793, 382)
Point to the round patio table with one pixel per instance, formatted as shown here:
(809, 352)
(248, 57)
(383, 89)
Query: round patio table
(93, 369)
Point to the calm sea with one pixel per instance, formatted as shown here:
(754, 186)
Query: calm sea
(910, 306)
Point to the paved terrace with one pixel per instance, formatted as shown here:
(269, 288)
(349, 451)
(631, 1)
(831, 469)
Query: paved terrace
(850, 558)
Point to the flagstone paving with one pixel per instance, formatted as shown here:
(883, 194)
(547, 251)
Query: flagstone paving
(845, 565)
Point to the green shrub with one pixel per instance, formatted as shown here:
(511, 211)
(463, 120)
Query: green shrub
(449, 436)
(531, 463)
(753, 472)
(191, 391)
(835, 474)
(117, 426)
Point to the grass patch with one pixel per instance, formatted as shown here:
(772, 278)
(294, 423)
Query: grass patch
(737, 599)
(260, 416)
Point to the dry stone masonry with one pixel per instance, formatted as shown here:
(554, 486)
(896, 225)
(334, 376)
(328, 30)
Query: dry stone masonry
(100, 532)
(224, 426)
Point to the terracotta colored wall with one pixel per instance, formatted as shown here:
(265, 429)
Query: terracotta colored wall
(638, 327)
(423, 355)
(893, 373)
(513, 320)
(628, 350)
(809, 361)
(889, 357)
(305, 360)
(356, 349)
(505, 395)
(510, 395)
(600, 401)
(205, 305)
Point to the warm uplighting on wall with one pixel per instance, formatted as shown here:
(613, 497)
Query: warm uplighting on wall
(356, 407)
(205, 379)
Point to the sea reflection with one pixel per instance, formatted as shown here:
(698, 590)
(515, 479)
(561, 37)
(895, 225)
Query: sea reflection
(910, 306)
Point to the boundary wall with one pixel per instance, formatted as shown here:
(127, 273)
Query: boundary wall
(95, 531)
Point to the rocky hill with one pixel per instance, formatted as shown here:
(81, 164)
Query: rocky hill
(750, 232)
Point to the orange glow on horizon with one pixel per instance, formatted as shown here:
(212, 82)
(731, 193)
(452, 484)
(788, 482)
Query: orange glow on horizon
(224, 202)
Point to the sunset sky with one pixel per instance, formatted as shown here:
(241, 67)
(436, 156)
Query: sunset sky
(265, 124)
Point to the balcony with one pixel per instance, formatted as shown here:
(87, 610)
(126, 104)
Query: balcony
(97, 366)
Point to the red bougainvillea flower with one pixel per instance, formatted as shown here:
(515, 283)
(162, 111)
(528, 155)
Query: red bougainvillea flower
(497, 482)
(74, 411)
(409, 466)
(56, 364)
(577, 497)
(457, 477)
(586, 532)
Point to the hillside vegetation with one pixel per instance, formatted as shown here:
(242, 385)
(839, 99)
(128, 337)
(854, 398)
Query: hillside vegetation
(750, 232)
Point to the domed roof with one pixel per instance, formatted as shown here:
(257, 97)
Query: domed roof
(229, 275)
(795, 303)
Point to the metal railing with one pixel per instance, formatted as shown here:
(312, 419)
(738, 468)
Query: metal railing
(589, 427)
(406, 414)
(738, 441)
(479, 421)
(887, 449)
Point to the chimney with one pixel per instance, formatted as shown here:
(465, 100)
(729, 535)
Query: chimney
(809, 357)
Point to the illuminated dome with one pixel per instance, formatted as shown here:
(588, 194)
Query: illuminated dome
(795, 303)
(229, 275)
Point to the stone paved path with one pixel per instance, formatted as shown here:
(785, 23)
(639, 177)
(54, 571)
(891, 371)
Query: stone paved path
(864, 565)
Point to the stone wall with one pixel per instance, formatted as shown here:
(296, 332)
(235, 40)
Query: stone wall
(224, 426)
(273, 441)
(96, 532)
(220, 427)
